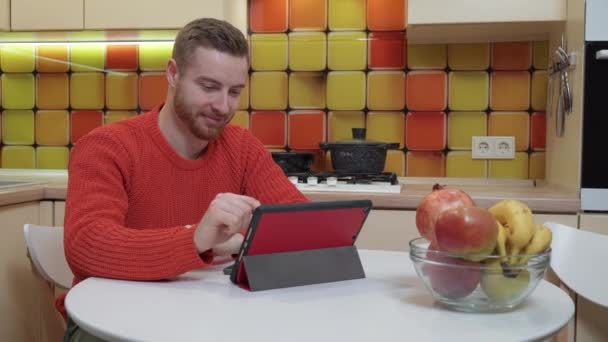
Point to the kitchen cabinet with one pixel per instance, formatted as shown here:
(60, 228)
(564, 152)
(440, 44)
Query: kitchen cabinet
(5, 22)
(447, 21)
(152, 14)
(58, 213)
(41, 15)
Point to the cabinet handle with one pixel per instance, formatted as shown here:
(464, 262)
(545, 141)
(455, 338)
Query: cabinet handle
(601, 54)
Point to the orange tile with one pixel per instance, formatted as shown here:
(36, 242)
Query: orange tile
(307, 15)
(386, 15)
(386, 126)
(121, 91)
(538, 131)
(395, 162)
(270, 127)
(84, 121)
(52, 58)
(537, 165)
(510, 90)
(306, 129)
(425, 164)
(152, 89)
(425, 131)
(52, 91)
(516, 124)
(511, 55)
(386, 50)
(122, 57)
(426, 90)
(52, 127)
(268, 15)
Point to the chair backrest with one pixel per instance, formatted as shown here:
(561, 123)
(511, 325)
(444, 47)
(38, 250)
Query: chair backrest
(45, 247)
(578, 258)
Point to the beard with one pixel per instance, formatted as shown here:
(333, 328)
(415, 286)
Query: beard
(192, 118)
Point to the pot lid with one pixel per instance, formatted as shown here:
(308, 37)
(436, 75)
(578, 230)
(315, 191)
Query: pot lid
(358, 139)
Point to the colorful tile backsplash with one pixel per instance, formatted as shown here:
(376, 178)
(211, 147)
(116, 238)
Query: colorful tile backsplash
(318, 69)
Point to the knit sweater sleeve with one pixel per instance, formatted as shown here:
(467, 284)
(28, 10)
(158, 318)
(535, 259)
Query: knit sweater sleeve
(264, 179)
(97, 242)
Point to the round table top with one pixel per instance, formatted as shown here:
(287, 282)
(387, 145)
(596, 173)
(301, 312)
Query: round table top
(391, 303)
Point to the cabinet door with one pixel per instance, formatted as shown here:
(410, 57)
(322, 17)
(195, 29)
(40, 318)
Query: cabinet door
(5, 15)
(148, 14)
(40, 15)
(388, 230)
(59, 213)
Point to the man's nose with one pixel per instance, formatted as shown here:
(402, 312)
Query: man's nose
(221, 104)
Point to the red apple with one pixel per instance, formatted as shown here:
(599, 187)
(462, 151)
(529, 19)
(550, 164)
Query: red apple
(451, 277)
(470, 230)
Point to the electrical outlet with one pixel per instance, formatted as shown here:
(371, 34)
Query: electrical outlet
(492, 147)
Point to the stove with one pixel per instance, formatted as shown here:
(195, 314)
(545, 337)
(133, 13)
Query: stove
(345, 182)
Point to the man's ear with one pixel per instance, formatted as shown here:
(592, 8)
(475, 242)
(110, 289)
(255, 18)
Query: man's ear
(172, 72)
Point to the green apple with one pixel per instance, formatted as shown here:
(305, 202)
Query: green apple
(500, 288)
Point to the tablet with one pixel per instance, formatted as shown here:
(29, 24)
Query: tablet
(290, 227)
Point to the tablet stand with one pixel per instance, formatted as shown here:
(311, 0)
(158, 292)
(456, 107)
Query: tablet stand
(287, 269)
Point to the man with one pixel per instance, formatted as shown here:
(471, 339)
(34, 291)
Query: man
(165, 192)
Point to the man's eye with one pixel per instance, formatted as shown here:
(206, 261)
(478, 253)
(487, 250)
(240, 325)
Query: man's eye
(208, 87)
(235, 92)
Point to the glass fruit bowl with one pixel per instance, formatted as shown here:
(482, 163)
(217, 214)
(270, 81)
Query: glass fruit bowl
(491, 285)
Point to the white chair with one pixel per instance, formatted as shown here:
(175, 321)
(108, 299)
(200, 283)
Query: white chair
(578, 258)
(45, 249)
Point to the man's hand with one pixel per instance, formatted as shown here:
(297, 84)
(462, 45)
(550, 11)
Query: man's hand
(232, 246)
(227, 215)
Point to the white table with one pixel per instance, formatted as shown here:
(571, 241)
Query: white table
(390, 304)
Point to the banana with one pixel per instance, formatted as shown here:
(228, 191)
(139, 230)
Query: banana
(516, 217)
(541, 240)
(501, 242)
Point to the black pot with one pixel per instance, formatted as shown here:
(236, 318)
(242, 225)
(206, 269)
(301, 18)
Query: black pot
(293, 162)
(358, 155)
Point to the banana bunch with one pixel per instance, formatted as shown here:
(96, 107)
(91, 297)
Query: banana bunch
(517, 232)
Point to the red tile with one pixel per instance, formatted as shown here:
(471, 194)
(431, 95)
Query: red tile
(268, 15)
(425, 131)
(270, 127)
(306, 129)
(152, 89)
(84, 121)
(538, 130)
(387, 50)
(122, 57)
(426, 90)
(511, 56)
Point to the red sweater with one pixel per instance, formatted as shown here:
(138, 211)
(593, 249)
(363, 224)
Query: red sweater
(130, 195)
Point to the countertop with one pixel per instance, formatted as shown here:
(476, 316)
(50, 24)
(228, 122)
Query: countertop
(540, 197)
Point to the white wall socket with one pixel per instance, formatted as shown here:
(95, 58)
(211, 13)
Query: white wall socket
(491, 147)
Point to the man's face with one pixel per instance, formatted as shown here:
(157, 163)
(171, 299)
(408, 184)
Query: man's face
(207, 91)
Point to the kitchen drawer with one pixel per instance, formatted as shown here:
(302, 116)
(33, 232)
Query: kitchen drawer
(5, 22)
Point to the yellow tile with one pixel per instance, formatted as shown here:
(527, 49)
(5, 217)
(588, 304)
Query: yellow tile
(468, 90)
(52, 58)
(538, 95)
(510, 90)
(460, 164)
(154, 56)
(425, 164)
(341, 123)
(118, 115)
(509, 168)
(241, 118)
(306, 90)
(18, 91)
(307, 51)
(386, 126)
(121, 91)
(395, 162)
(537, 165)
(469, 56)
(87, 57)
(52, 91)
(426, 56)
(386, 90)
(347, 50)
(52, 127)
(269, 51)
(18, 127)
(269, 90)
(244, 97)
(87, 90)
(515, 124)
(18, 157)
(17, 58)
(540, 57)
(347, 15)
(346, 90)
(52, 157)
(462, 126)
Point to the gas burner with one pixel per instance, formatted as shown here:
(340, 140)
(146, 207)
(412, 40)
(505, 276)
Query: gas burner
(334, 178)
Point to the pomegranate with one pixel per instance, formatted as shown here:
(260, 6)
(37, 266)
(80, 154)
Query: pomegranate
(440, 199)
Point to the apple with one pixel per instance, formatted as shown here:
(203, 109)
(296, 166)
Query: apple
(470, 230)
(501, 288)
(451, 277)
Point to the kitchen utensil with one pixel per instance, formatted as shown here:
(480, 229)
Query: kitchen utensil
(562, 63)
(291, 162)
